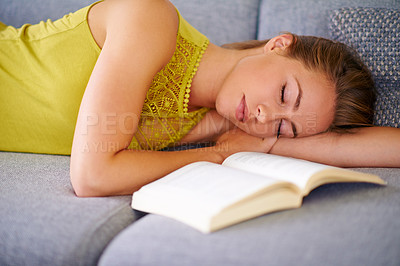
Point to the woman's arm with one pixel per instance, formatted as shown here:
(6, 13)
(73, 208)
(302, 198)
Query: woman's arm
(140, 39)
(362, 147)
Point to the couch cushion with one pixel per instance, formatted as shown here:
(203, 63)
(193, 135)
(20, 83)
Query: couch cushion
(231, 22)
(17, 13)
(375, 34)
(338, 224)
(42, 222)
(221, 21)
(306, 17)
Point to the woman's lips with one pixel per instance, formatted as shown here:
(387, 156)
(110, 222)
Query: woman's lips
(241, 110)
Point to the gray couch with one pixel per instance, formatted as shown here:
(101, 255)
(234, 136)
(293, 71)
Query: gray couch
(42, 222)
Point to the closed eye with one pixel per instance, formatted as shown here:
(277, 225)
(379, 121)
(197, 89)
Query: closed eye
(283, 93)
(279, 129)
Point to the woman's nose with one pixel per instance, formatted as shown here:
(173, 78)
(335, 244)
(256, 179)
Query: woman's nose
(261, 114)
(267, 113)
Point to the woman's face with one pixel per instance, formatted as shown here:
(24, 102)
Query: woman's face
(272, 95)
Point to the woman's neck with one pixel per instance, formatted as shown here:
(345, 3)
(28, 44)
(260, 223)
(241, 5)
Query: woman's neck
(215, 66)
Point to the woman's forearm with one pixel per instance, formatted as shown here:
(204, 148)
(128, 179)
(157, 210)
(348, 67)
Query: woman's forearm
(128, 170)
(363, 147)
(103, 172)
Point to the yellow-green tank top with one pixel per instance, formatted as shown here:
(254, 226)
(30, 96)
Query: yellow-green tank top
(44, 70)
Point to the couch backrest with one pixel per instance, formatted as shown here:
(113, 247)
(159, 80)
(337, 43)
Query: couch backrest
(17, 13)
(222, 21)
(306, 17)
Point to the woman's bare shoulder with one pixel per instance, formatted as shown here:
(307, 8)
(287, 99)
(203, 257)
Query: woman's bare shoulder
(144, 17)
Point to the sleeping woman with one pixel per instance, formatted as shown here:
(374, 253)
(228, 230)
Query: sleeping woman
(115, 83)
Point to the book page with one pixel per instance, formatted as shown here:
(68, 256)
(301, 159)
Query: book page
(204, 186)
(292, 170)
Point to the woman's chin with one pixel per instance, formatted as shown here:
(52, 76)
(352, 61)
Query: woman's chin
(223, 111)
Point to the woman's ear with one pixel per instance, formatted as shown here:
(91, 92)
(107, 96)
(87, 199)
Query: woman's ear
(278, 42)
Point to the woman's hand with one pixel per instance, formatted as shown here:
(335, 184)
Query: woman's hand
(236, 140)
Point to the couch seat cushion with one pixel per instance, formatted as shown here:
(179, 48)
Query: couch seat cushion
(42, 222)
(338, 224)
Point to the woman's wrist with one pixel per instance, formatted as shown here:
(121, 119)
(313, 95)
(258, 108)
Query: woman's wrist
(214, 154)
(316, 148)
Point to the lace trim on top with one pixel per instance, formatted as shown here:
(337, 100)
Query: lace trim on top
(165, 118)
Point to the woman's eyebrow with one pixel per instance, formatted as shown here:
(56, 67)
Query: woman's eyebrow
(299, 95)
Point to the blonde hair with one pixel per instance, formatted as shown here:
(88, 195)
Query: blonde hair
(355, 90)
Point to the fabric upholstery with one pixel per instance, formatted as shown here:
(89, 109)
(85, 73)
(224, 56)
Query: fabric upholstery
(17, 13)
(42, 222)
(309, 17)
(222, 21)
(375, 34)
(338, 224)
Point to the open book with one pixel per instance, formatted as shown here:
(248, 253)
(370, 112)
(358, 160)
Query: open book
(210, 196)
